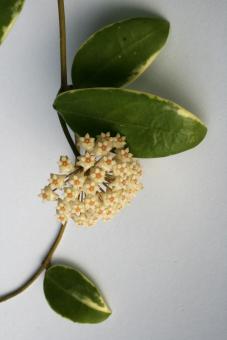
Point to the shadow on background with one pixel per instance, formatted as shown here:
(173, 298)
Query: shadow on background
(104, 15)
(160, 78)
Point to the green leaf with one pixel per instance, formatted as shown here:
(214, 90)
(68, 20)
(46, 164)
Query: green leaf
(119, 53)
(154, 127)
(9, 10)
(71, 294)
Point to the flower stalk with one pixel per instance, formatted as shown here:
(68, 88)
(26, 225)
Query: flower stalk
(63, 63)
(42, 267)
(47, 260)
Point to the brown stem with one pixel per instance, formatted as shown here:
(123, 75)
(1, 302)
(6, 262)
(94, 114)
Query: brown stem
(47, 259)
(61, 13)
(67, 135)
(43, 266)
(63, 59)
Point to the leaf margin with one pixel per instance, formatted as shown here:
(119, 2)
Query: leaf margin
(138, 71)
(106, 312)
(15, 10)
(182, 112)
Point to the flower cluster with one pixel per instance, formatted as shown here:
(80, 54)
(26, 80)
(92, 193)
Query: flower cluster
(104, 178)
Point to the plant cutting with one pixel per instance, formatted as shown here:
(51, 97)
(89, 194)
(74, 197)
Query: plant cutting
(108, 128)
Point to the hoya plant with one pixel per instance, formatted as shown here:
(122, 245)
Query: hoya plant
(109, 128)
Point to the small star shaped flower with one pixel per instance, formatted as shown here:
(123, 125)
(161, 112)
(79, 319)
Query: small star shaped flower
(90, 187)
(111, 198)
(47, 194)
(86, 161)
(69, 194)
(123, 155)
(63, 207)
(105, 137)
(106, 162)
(80, 220)
(119, 141)
(120, 169)
(77, 180)
(91, 202)
(102, 148)
(86, 142)
(62, 218)
(56, 181)
(77, 208)
(97, 175)
(65, 165)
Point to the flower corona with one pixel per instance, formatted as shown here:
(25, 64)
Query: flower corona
(104, 178)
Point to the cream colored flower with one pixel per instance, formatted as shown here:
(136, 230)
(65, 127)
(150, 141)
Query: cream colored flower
(63, 207)
(86, 161)
(56, 181)
(111, 198)
(77, 207)
(62, 218)
(105, 137)
(80, 220)
(91, 202)
(125, 197)
(77, 180)
(91, 218)
(90, 187)
(119, 141)
(123, 155)
(65, 165)
(102, 181)
(136, 168)
(97, 175)
(100, 210)
(47, 194)
(108, 214)
(70, 194)
(86, 142)
(102, 148)
(116, 184)
(106, 163)
(120, 169)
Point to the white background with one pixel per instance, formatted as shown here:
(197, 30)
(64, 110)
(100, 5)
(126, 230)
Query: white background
(161, 264)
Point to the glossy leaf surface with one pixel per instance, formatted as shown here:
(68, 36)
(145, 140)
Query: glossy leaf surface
(9, 10)
(154, 127)
(119, 53)
(71, 294)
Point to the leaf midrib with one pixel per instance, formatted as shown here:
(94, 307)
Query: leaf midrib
(72, 296)
(118, 121)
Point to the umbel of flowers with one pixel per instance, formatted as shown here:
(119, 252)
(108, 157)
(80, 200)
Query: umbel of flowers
(104, 178)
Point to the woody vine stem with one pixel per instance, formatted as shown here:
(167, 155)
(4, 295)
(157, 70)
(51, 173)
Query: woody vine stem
(47, 260)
